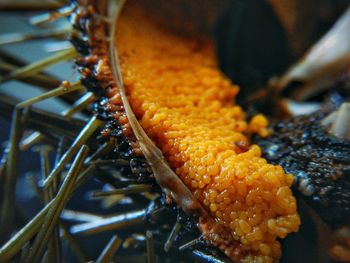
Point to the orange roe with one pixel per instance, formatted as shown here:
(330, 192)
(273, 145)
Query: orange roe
(185, 105)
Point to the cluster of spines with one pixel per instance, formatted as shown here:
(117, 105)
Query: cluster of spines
(97, 78)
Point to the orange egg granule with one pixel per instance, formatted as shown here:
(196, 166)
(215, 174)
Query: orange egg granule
(185, 105)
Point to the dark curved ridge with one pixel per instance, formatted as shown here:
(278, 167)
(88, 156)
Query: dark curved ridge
(88, 39)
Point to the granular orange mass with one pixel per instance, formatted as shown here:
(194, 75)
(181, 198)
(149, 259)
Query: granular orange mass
(186, 106)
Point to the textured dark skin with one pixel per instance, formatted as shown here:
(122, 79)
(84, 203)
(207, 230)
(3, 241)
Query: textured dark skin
(88, 64)
(304, 148)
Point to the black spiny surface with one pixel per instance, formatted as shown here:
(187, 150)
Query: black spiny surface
(319, 161)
